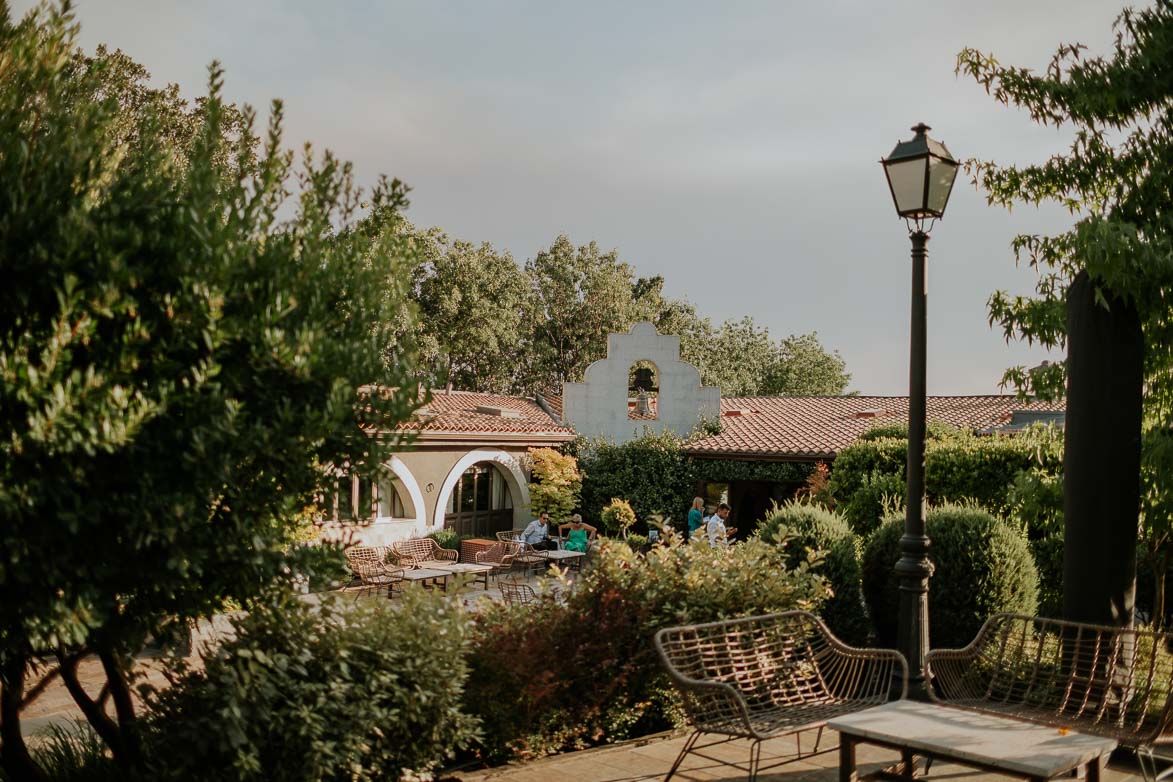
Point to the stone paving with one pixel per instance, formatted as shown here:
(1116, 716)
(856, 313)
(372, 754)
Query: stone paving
(650, 758)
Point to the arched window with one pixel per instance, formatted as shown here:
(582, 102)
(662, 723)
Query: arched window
(643, 391)
(361, 498)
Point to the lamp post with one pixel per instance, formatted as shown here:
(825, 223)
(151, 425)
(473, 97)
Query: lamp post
(920, 175)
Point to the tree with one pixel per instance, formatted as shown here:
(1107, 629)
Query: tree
(1115, 179)
(181, 368)
(804, 368)
(472, 302)
(557, 487)
(579, 296)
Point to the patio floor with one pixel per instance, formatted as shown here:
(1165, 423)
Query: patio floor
(647, 759)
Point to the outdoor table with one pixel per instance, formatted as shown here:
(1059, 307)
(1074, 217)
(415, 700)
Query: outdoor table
(563, 556)
(998, 744)
(428, 577)
(480, 572)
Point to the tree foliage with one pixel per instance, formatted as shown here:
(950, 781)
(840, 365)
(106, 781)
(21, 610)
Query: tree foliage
(557, 485)
(180, 364)
(1115, 179)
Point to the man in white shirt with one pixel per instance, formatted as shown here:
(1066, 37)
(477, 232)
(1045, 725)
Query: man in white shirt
(537, 533)
(717, 533)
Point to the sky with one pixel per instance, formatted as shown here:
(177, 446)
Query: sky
(732, 148)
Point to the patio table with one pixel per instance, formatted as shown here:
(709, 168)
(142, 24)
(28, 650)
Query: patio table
(480, 572)
(428, 577)
(563, 556)
(983, 741)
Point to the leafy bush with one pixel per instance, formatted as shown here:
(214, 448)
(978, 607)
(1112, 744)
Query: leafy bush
(618, 517)
(558, 676)
(303, 692)
(807, 528)
(448, 538)
(73, 753)
(982, 566)
(557, 486)
(1036, 507)
(959, 466)
(637, 542)
(650, 471)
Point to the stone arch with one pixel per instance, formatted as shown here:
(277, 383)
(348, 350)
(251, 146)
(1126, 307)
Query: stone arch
(510, 468)
(413, 491)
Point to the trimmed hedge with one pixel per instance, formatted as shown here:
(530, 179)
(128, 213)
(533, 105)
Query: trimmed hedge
(959, 466)
(982, 566)
(806, 528)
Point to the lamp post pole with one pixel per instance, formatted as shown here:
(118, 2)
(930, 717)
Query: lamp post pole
(920, 175)
(914, 567)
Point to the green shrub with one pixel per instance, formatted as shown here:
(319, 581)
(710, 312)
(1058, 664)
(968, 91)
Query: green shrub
(330, 692)
(982, 566)
(73, 753)
(650, 472)
(1036, 508)
(959, 466)
(808, 528)
(637, 542)
(618, 517)
(559, 676)
(448, 538)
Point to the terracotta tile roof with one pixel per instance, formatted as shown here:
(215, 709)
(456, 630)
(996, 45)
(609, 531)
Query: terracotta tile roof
(555, 404)
(818, 427)
(475, 413)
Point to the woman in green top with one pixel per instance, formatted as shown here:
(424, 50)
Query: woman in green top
(578, 535)
(696, 516)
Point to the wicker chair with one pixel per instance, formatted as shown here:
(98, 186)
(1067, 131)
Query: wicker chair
(422, 553)
(516, 594)
(769, 676)
(500, 555)
(369, 564)
(1101, 680)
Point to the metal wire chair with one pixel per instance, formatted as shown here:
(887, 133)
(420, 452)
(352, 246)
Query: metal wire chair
(369, 564)
(1097, 679)
(768, 676)
(517, 594)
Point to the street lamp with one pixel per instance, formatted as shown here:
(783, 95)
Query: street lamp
(920, 175)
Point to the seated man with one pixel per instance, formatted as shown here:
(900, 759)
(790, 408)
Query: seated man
(537, 534)
(578, 534)
(718, 534)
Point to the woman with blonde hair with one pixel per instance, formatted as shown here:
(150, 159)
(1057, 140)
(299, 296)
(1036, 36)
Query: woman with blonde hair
(578, 534)
(696, 516)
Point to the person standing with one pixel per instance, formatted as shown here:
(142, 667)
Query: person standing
(696, 517)
(537, 534)
(718, 533)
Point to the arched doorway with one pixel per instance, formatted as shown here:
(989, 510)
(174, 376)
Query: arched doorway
(480, 503)
(483, 494)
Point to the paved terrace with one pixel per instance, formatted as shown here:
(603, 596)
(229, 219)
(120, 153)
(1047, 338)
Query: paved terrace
(650, 758)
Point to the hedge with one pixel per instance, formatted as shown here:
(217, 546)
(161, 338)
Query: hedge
(982, 566)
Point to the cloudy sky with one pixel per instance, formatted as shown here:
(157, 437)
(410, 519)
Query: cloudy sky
(730, 147)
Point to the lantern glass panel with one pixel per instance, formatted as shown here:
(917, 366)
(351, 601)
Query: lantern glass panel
(907, 180)
(941, 176)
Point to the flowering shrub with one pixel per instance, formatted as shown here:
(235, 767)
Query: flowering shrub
(557, 676)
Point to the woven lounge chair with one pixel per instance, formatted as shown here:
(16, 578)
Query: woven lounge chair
(500, 555)
(422, 553)
(768, 676)
(369, 564)
(517, 594)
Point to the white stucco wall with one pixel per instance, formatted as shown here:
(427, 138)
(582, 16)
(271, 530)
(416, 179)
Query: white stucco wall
(598, 405)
